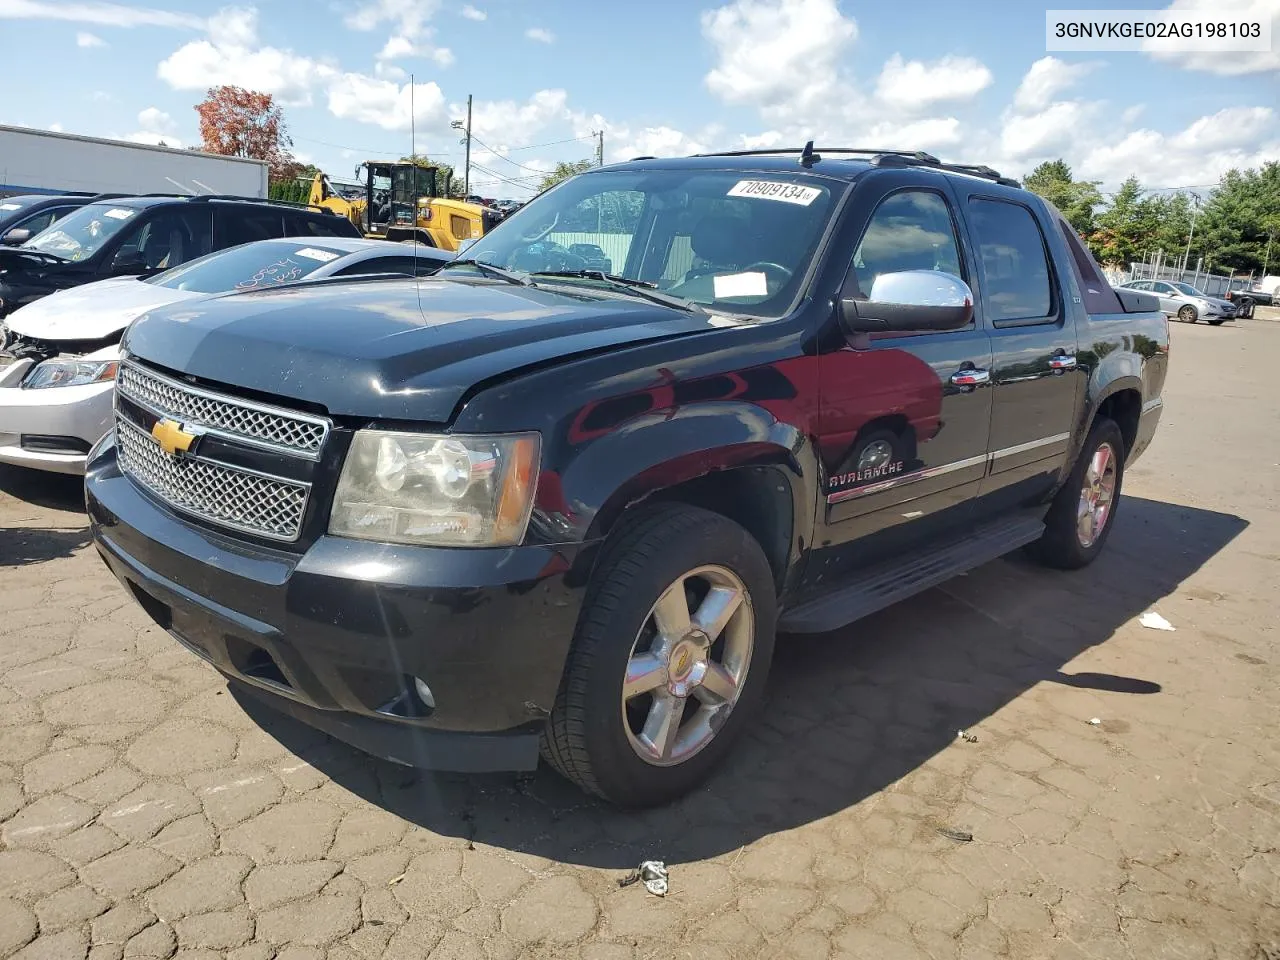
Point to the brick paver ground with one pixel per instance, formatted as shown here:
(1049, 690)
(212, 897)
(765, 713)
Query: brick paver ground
(143, 812)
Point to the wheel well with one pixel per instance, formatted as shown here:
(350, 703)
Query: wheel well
(1124, 407)
(895, 422)
(756, 498)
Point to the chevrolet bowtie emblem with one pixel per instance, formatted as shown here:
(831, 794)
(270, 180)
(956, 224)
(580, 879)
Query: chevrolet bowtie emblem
(173, 439)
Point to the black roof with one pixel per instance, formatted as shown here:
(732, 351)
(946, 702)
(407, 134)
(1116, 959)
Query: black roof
(839, 163)
(147, 200)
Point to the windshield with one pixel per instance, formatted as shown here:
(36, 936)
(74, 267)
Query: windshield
(250, 266)
(1188, 289)
(82, 233)
(740, 243)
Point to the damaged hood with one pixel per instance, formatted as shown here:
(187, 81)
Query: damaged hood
(92, 311)
(391, 349)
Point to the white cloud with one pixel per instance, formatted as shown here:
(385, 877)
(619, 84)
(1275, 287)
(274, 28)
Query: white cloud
(1220, 60)
(87, 40)
(762, 141)
(781, 54)
(503, 123)
(1131, 114)
(155, 139)
(354, 96)
(471, 13)
(659, 142)
(102, 14)
(408, 17)
(153, 118)
(1045, 79)
(156, 128)
(1201, 153)
(55, 128)
(912, 84)
(398, 46)
(101, 96)
(1048, 132)
(540, 34)
(231, 55)
(927, 134)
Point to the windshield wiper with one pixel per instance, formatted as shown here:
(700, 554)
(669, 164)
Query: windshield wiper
(489, 270)
(637, 288)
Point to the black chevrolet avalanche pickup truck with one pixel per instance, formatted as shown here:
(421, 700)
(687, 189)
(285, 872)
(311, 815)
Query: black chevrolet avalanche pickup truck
(537, 504)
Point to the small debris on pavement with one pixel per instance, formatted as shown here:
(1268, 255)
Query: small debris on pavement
(966, 736)
(963, 836)
(654, 875)
(1094, 721)
(394, 880)
(1153, 621)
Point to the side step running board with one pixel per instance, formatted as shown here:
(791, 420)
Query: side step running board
(880, 587)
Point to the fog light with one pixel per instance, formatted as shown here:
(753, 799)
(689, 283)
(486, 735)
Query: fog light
(424, 692)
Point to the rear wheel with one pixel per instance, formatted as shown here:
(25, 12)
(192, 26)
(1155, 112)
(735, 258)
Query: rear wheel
(1081, 516)
(1187, 314)
(669, 659)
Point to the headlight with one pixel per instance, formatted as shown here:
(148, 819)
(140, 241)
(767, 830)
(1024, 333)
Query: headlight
(437, 490)
(70, 373)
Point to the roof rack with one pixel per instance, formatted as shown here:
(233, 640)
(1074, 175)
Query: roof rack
(809, 155)
(205, 197)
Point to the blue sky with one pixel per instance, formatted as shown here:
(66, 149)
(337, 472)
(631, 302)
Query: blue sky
(968, 82)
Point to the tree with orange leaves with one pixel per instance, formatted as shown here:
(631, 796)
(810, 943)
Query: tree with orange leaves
(235, 122)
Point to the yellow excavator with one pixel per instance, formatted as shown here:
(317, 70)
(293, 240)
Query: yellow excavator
(402, 202)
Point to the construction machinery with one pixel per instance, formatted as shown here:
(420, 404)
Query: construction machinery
(402, 201)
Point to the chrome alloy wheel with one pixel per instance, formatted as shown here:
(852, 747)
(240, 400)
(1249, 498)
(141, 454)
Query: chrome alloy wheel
(688, 665)
(1097, 494)
(876, 454)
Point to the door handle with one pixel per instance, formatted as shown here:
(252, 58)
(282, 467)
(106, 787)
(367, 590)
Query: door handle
(1063, 361)
(970, 377)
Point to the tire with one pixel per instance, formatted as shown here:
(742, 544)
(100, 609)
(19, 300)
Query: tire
(1063, 545)
(1188, 314)
(591, 737)
(882, 440)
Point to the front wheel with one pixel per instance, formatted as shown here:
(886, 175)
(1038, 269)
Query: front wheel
(1187, 314)
(1082, 514)
(669, 660)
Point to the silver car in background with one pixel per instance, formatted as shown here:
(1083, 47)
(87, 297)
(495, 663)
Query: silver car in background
(1185, 302)
(59, 355)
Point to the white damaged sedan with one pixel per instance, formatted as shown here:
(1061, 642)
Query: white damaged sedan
(59, 355)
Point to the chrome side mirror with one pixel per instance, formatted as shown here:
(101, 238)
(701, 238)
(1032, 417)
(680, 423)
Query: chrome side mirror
(910, 301)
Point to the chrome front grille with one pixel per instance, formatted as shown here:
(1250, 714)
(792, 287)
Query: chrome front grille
(252, 502)
(259, 425)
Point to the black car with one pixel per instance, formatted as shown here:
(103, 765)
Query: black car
(22, 217)
(144, 235)
(533, 506)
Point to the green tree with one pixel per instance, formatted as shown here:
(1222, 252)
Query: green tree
(1121, 235)
(1240, 216)
(564, 171)
(1077, 199)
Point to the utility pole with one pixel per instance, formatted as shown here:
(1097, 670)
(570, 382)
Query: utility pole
(1195, 209)
(466, 139)
(599, 148)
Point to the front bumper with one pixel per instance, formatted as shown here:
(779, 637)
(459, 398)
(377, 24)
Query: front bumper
(71, 415)
(334, 636)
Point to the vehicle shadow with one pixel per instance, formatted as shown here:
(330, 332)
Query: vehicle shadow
(847, 713)
(54, 491)
(23, 545)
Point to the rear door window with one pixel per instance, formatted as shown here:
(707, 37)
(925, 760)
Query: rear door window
(1016, 278)
(305, 225)
(237, 223)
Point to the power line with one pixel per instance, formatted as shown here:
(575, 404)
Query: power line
(507, 159)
